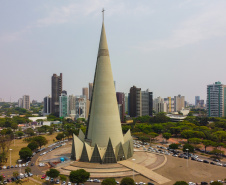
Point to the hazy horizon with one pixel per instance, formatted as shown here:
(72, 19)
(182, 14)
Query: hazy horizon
(171, 47)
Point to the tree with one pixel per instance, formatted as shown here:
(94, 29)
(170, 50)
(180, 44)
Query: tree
(217, 153)
(173, 146)
(30, 132)
(1, 178)
(180, 183)
(166, 135)
(33, 145)
(79, 176)
(207, 143)
(63, 177)
(27, 170)
(40, 140)
(189, 147)
(19, 134)
(216, 183)
(152, 135)
(53, 173)
(25, 153)
(127, 181)
(60, 136)
(15, 174)
(109, 181)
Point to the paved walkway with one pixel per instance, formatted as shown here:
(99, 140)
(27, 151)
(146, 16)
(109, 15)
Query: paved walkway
(145, 172)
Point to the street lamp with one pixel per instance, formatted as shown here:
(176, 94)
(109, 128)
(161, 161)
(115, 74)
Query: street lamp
(14, 139)
(133, 167)
(187, 156)
(10, 156)
(20, 165)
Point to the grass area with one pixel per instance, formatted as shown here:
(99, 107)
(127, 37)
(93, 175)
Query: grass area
(19, 143)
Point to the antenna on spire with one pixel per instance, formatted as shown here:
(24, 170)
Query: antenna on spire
(103, 13)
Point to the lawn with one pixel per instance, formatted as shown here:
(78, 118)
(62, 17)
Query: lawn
(19, 143)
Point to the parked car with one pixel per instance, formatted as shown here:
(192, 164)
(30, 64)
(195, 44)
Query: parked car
(47, 178)
(9, 180)
(205, 161)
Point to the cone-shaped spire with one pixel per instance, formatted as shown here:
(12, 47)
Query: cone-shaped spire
(104, 120)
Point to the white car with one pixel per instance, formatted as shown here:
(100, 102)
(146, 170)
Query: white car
(69, 183)
(47, 178)
(219, 164)
(191, 183)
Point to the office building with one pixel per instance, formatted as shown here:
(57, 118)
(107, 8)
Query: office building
(47, 105)
(85, 92)
(170, 104)
(121, 105)
(56, 92)
(140, 102)
(90, 90)
(63, 104)
(26, 102)
(216, 100)
(160, 105)
(179, 103)
(71, 103)
(197, 98)
(20, 102)
(80, 107)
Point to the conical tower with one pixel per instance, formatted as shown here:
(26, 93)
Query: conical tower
(104, 121)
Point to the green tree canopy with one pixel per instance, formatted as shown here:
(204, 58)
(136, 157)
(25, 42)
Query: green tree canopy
(180, 183)
(189, 147)
(79, 176)
(53, 173)
(40, 140)
(25, 153)
(33, 145)
(173, 146)
(166, 135)
(127, 181)
(108, 181)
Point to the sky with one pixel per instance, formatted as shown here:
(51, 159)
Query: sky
(170, 47)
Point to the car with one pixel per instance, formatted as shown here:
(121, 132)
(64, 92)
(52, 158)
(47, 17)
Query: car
(57, 181)
(16, 166)
(224, 165)
(204, 183)
(5, 182)
(30, 174)
(51, 180)
(43, 176)
(19, 165)
(3, 175)
(150, 183)
(23, 165)
(4, 167)
(9, 180)
(13, 179)
(193, 158)
(212, 163)
(216, 160)
(8, 167)
(47, 178)
(69, 183)
(63, 183)
(199, 160)
(219, 164)
(25, 175)
(32, 164)
(18, 178)
(205, 161)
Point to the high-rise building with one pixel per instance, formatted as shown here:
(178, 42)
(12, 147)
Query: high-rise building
(160, 105)
(197, 98)
(57, 82)
(126, 103)
(85, 92)
(90, 90)
(135, 102)
(103, 141)
(71, 103)
(121, 104)
(20, 102)
(170, 104)
(179, 103)
(80, 107)
(140, 102)
(216, 100)
(63, 104)
(26, 102)
(47, 105)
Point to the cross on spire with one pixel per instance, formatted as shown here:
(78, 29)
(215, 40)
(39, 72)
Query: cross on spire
(103, 13)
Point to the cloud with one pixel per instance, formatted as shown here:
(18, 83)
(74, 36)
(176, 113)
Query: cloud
(210, 23)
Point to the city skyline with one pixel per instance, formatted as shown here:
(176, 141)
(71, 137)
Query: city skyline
(169, 48)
